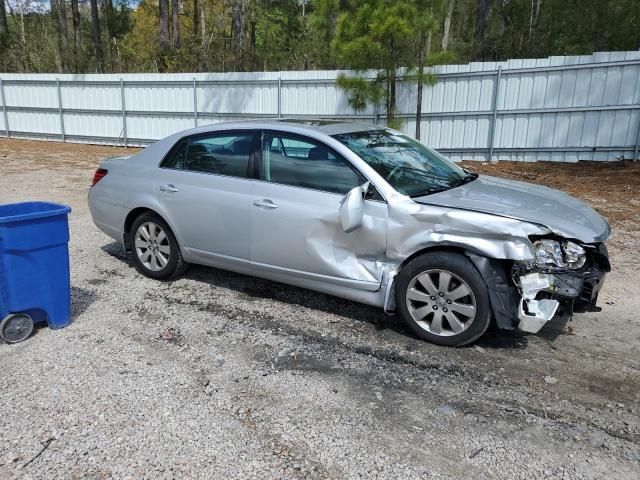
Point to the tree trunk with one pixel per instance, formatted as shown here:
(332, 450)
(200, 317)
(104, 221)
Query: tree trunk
(58, 10)
(391, 96)
(75, 17)
(23, 37)
(483, 10)
(203, 25)
(163, 14)
(533, 18)
(237, 30)
(446, 30)
(175, 23)
(97, 36)
(420, 59)
(195, 18)
(108, 22)
(4, 26)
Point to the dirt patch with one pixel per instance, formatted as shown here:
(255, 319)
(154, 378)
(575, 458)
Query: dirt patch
(54, 155)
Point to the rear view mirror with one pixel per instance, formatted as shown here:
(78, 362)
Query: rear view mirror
(352, 208)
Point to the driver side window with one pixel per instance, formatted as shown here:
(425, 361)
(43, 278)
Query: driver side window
(306, 163)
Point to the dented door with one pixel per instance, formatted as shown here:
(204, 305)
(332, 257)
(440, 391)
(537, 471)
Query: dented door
(298, 230)
(295, 226)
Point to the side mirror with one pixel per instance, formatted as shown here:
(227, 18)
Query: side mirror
(352, 208)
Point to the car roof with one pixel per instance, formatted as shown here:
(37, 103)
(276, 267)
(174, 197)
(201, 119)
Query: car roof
(325, 126)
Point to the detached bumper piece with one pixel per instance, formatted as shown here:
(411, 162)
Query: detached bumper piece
(532, 313)
(544, 291)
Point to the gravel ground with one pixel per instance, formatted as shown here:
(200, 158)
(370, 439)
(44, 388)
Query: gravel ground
(218, 375)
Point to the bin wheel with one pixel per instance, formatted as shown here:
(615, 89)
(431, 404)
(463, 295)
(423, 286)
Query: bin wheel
(16, 327)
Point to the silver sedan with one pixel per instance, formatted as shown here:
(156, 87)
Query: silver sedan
(357, 211)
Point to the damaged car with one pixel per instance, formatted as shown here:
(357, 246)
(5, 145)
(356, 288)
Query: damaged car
(361, 212)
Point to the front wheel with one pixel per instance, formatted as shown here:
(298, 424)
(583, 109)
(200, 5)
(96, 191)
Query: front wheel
(156, 252)
(443, 298)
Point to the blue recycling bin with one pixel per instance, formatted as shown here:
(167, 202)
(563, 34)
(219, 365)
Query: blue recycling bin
(34, 268)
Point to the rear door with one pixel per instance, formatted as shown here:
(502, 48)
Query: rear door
(295, 227)
(205, 183)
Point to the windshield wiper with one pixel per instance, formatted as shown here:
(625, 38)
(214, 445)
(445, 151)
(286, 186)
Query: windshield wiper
(429, 191)
(470, 177)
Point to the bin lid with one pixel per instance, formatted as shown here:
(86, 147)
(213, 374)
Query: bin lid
(17, 212)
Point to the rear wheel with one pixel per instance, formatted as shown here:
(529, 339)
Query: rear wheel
(156, 252)
(443, 298)
(16, 327)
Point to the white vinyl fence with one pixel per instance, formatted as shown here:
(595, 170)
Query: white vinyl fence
(559, 108)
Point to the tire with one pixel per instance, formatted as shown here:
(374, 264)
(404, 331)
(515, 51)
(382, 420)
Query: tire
(16, 327)
(155, 250)
(453, 314)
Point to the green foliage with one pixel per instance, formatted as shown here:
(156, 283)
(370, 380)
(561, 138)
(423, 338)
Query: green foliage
(376, 34)
(316, 34)
(383, 35)
(140, 45)
(361, 91)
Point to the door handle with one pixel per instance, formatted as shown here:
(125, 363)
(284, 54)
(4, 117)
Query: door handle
(169, 188)
(266, 203)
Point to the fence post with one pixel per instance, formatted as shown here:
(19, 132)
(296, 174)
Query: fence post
(496, 92)
(195, 103)
(62, 134)
(124, 114)
(279, 97)
(4, 109)
(635, 151)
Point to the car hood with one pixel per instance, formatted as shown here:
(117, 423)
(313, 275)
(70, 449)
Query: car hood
(559, 212)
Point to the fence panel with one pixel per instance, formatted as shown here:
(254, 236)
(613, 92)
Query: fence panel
(562, 109)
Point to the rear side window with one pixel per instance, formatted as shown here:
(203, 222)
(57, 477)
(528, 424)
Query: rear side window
(177, 155)
(222, 153)
(306, 163)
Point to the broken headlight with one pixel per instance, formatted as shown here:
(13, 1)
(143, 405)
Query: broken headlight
(574, 255)
(551, 253)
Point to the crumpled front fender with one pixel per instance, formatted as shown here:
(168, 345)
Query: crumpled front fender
(414, 227)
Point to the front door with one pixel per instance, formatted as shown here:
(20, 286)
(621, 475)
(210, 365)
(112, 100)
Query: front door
(295, 227)
(205, 183)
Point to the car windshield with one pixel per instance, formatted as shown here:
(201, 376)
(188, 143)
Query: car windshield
(408, 166)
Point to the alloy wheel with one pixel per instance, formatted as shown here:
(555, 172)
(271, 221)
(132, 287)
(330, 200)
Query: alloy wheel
(441, 302)
(152, 246)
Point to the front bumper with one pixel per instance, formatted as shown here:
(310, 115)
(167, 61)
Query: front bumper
(544, 292)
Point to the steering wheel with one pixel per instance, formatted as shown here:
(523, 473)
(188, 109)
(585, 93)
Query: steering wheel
(394, 172)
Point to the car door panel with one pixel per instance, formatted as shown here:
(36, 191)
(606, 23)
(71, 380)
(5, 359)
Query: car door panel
(210, 211)
(296, 228)
(304, 235)
(206, 188)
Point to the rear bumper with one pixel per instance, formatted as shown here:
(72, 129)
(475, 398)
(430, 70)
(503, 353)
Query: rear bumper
(108, 217)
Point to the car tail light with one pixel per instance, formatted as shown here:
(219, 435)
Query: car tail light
(99, 175)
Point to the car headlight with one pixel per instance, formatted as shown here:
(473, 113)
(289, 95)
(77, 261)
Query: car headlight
(553, 253)
(574, 255)
(548, 252)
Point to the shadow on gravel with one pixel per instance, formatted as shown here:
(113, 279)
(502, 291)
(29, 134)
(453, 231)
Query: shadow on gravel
(502, 339)
(115, 250)
(253, 288)
(517, 340)
(80, 300)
